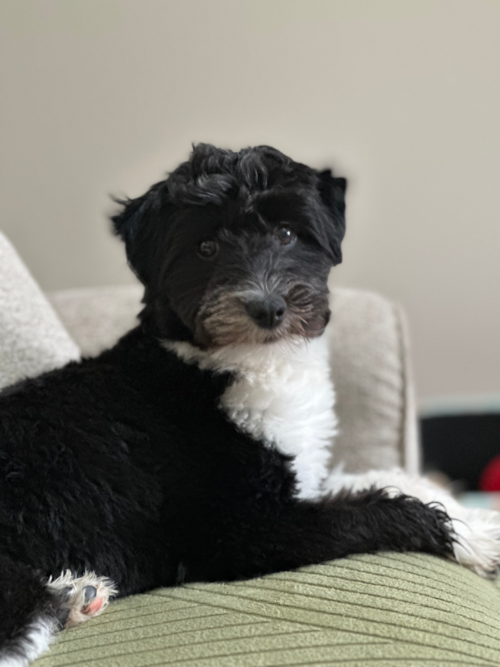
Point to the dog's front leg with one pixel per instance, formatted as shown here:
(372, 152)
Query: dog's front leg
(271, 537)
(477, 531)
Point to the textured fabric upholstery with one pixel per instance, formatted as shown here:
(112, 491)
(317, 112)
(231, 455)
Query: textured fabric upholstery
(97, 317)
(371, 372)
(32, 339)
(384, 610)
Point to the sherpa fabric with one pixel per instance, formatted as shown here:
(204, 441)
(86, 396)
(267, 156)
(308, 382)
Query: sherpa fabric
(32, 339)
(371, 372)
(385, 610)
(369, 355)
(97, 316)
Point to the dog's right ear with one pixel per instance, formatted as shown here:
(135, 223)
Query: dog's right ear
(142, 224)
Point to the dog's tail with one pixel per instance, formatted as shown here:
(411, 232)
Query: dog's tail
(30, 613)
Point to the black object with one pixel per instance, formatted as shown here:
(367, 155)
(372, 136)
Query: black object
(460, 445)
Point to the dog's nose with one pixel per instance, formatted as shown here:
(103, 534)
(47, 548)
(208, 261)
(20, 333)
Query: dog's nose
(267, 312)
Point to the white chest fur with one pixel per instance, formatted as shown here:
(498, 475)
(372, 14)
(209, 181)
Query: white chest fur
(282, 395)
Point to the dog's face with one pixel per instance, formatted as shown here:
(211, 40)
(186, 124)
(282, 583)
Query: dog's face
(236, 247)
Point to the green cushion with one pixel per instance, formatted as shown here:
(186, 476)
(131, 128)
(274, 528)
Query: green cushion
(386, 609)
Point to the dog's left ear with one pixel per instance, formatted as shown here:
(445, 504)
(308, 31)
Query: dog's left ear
(332, 193)
(142, 225)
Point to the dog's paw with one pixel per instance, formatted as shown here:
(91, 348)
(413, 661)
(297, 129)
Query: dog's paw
(477, 540)
(82, 597)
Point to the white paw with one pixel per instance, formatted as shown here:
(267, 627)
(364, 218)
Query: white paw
(86, 596)
(476, 531)
(477, 543)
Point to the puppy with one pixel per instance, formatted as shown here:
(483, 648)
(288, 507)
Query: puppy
(197, 448)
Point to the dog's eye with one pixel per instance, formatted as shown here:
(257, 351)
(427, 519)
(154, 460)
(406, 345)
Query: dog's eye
(285, 236)
(208, 248)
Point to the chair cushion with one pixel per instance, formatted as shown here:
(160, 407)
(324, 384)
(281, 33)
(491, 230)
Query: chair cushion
(386, 609)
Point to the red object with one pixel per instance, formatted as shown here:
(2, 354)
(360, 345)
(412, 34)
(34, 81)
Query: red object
(490, 477)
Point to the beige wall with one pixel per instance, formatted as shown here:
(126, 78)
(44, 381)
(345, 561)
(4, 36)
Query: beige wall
(402, 96)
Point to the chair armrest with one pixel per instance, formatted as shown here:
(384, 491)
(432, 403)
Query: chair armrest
(32, 339)
(372, 374)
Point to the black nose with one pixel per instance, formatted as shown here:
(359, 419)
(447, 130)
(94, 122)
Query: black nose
(267, 312)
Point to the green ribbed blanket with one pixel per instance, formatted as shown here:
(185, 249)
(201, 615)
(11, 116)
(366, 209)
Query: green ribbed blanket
(398, 610)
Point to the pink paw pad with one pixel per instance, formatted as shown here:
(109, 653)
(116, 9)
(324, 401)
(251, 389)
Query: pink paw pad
(92, 608)
(83, 597)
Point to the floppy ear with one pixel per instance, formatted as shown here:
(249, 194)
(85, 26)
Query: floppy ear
(142, 224)
(332, 193)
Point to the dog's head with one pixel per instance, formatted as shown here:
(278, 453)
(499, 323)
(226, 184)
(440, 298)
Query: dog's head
(236, 247)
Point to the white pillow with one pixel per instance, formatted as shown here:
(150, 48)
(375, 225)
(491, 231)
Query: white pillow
(32, 338)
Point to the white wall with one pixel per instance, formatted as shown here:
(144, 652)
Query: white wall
(402, 96)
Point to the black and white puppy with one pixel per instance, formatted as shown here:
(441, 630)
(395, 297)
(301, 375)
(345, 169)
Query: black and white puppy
(197, 448)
